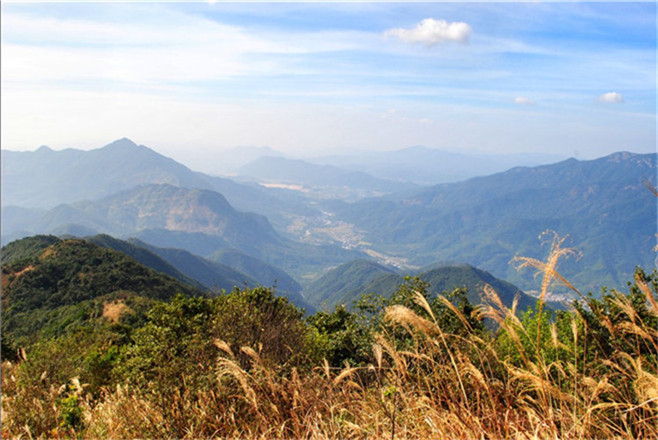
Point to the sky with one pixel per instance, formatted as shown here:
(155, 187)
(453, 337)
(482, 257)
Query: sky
(187, 79)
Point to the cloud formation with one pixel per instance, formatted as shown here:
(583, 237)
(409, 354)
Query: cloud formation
(522, 100)
(431, 32)
(188, 48)
(611, 98)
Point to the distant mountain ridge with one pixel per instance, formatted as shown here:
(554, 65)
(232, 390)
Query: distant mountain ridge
(266, 274)
(161, 206)
(428, 166)
(231, 271)
(145, 257)
(228, 161)
(44, 179)
(344, 283)
(270, 169)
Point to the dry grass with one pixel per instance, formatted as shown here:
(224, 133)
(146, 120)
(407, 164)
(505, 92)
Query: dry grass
(112, 311)
(432, 390)
(47, 253)
(27, 411)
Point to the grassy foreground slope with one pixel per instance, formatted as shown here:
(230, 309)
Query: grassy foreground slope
(249, 364)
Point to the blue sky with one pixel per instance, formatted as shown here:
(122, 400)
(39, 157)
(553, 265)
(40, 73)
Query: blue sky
(577, 79)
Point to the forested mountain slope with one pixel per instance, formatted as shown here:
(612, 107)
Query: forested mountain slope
(345, 283)
(41, 278)
(603, 205)
(348, 282)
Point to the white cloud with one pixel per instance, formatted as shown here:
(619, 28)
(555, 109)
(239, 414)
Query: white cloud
(431, 32)
(612, 98)
(522, 100)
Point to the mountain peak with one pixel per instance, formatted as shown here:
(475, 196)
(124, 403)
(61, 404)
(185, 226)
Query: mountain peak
(125, 146)
(123, 143)
(44, 149)
(620, 156)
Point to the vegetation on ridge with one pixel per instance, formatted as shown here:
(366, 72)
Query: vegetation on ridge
(247, 364)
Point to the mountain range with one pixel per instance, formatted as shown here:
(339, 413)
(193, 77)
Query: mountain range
(602, 204)
(324, 181)
(133, 193)
(45, 179)
(428, 166)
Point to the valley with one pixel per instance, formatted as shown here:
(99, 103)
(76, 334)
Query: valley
(325, 229)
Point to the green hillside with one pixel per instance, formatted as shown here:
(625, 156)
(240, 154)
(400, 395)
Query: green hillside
(213, 275)
(348, 282)
(70, 273)
(145, 257)
(342, 284)
(26, 248)
(264, 273)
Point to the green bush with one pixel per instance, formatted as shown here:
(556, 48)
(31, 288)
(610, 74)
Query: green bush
(267, 323)
(341, 337)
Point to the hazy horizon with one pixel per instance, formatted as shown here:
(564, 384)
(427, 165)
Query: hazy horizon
(306, 79)
(228, 161)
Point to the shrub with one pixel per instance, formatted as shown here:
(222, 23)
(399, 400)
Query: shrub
(267, 323)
